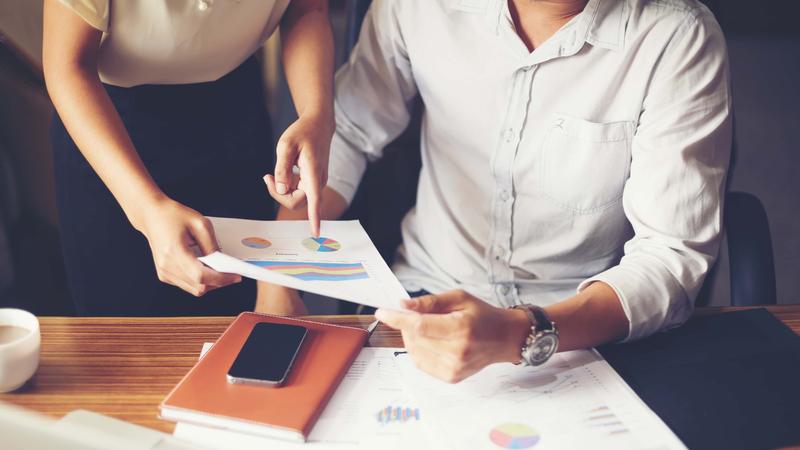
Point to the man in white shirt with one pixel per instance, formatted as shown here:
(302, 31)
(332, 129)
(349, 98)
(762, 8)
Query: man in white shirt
(574, 157)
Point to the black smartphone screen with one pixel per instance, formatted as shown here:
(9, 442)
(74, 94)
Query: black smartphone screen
(267, 355)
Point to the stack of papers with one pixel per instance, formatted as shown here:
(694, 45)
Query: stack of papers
(574, 401)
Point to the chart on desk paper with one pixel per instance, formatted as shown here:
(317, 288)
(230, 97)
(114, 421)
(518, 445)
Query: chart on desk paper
(342, 262)
(575, 401)
(369, 410)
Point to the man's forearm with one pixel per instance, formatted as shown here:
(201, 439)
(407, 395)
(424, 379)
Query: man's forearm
(592, 317)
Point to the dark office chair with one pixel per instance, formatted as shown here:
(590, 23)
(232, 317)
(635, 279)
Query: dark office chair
(750, 251)
(356, 10)
(388, 191)
(752, 269)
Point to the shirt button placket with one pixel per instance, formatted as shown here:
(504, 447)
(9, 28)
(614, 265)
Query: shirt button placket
(506, 292)
(501, 274)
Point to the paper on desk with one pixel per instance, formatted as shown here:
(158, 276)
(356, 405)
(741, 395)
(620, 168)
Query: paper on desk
(576, 400)
(368, 410)
(342, 263)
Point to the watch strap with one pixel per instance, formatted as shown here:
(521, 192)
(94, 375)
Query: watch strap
(543, 322)
(541, 327)
(540, 320)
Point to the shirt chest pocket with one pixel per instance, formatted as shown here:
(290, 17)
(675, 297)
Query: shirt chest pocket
(583, 165)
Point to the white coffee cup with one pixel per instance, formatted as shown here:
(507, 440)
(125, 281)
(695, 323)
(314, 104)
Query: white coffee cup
(19, 351)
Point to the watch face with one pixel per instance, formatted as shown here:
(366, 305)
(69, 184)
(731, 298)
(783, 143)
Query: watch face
(544, 347)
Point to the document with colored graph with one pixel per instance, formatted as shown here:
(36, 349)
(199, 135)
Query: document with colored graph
(341, 263)
(576, 400)
(369, 410)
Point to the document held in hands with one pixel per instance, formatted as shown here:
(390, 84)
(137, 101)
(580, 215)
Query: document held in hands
(341, 263)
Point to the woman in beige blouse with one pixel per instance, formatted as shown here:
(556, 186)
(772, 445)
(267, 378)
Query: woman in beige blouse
(161, 120)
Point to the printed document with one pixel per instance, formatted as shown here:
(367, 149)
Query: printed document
(576, 400)
(341, 263)
(368, 410)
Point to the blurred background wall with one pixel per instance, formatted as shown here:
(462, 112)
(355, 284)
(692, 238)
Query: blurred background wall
(764, 46)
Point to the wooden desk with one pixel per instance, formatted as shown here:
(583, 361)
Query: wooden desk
(124, 367)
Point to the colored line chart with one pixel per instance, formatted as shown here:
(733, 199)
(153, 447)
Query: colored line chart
(321, 244)
(316, 271)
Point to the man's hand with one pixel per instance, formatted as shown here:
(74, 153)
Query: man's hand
(454, 335)
(305, 144)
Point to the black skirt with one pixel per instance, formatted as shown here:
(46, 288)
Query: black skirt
(207, 145)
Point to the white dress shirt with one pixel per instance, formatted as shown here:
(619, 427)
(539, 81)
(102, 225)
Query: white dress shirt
(176, 41)
(599, 156)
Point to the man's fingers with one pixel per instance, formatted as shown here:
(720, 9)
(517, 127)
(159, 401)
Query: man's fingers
(399, 320)
(439, 303)
(440, 326)
(432, 326)
(286, 158)
(432, 362)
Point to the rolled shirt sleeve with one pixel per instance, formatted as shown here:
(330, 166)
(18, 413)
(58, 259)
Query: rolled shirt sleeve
(374, 93)
(674, 194)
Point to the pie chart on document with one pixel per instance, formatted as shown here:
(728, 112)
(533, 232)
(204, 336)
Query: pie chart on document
(321, 244)
(514, 435)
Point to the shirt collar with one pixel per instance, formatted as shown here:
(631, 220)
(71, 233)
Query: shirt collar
(607, 27)
(601, 23)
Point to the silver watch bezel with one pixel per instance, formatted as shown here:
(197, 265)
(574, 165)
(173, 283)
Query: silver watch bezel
(543, 346)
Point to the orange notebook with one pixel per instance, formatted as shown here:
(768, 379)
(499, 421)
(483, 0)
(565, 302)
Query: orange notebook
(205, 397)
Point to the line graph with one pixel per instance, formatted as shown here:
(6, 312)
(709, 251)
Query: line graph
(316, 271)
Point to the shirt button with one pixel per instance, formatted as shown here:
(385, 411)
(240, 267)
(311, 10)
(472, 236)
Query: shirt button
(509, 134)
(499, 253)
(504, 289)
(203, 5)
(504, 195)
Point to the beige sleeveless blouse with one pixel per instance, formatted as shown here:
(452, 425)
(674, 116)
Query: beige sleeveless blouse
(176, 41)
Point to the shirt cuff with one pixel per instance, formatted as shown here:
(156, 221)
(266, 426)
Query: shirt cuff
(649, 306)
(345, 168)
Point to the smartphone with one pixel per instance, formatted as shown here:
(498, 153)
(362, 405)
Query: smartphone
(267, 356)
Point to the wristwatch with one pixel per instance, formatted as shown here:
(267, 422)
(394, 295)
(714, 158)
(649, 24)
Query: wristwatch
(542, 342)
